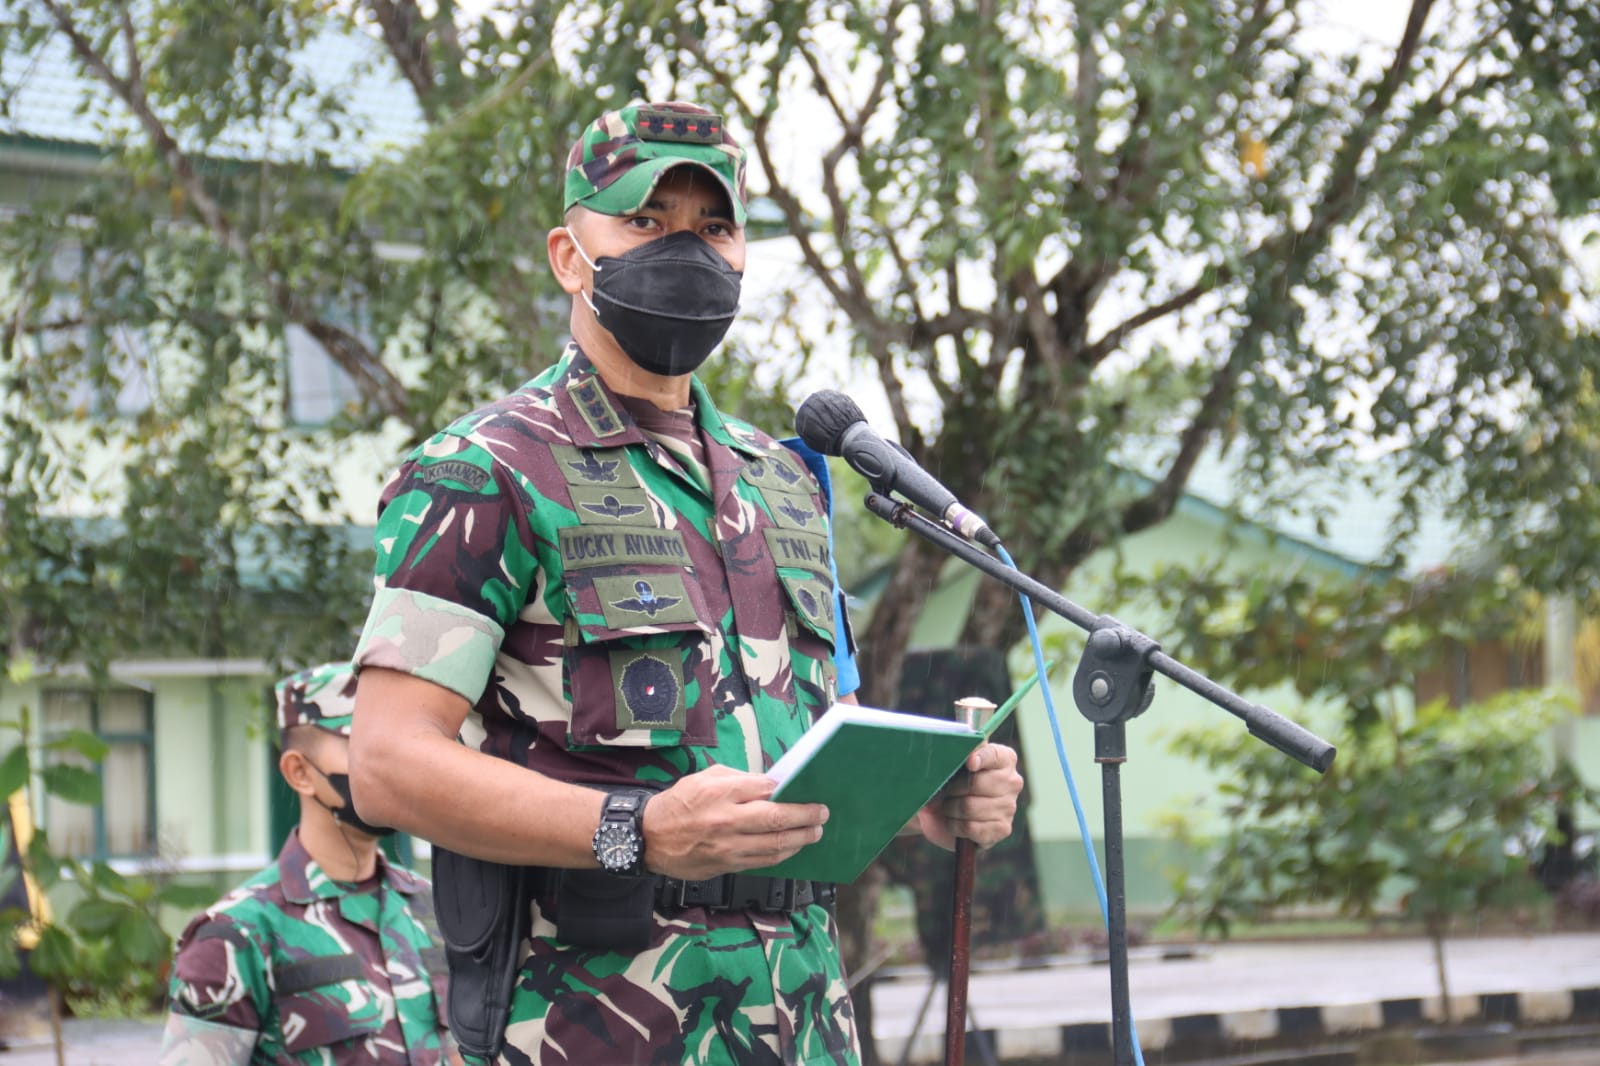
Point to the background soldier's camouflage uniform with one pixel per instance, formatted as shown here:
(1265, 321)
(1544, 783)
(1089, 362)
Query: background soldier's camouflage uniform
(294, 967)
(613, 622)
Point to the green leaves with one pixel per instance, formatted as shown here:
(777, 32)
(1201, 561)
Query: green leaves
(72, 783)
(111, 941)
(1437, 813)
(96, 917)
(85, 744)
(14, 770)
(55, 957)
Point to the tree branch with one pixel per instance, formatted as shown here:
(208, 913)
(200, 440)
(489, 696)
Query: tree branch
(1095, 353)
(1154, 506)
(353, 356)
(864, 316)
(401, 22)
(854, 279)
(1343, 183)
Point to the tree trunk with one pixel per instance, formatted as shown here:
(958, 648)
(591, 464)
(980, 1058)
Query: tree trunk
(1435, 926)
(56, 1037)
(883, 646)
(884, 641)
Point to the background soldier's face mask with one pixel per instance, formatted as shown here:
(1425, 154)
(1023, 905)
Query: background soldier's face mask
(668, 303)
(348, 815)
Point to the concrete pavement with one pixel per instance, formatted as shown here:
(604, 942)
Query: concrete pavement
(1242, 994)
(1186, 1003)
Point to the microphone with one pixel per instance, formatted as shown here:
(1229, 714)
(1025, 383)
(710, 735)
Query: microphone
(831, 423)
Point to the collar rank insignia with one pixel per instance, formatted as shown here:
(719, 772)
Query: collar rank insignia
(595, 408)
(611, 507)
(645, 600)
(591, 469)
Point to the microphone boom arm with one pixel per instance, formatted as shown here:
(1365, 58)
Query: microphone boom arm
(1270, 727)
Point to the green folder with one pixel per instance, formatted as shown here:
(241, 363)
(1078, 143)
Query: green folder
(874, 769)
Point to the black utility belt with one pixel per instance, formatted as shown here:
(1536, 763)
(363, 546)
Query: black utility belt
(742, 892)
(596, 909)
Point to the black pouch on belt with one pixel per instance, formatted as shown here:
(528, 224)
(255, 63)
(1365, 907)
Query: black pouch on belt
(482, 908)
(595, 909)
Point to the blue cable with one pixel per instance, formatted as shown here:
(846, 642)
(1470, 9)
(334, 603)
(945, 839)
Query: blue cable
(1072, 786)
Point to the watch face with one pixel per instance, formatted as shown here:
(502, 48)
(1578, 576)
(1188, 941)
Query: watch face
(617, 847)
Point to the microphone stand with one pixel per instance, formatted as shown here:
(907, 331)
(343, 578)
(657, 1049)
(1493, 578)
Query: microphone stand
(1111, 686)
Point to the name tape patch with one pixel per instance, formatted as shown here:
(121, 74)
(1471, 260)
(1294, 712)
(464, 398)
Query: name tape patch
(583, 547)
(792, 547)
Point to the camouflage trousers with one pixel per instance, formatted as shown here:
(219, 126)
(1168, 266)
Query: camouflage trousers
(713, 989)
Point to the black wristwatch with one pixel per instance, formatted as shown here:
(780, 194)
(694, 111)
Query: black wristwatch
(619, 839)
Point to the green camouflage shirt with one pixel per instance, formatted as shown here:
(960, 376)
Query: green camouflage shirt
(612, 621)
(294, 967)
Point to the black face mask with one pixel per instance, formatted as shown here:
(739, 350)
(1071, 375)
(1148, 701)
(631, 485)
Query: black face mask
(348, 815)
(668, 303)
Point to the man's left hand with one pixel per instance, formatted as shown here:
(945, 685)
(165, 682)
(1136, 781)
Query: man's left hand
(978, 803)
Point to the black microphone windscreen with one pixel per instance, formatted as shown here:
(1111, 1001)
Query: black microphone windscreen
(823, 418)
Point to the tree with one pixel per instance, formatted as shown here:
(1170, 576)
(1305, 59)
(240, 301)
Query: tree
(1078, 225)
(1438, 810)
(1107, 232)
(1435, 808)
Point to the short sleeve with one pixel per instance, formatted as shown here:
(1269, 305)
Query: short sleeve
(454, 566)
(218, 978)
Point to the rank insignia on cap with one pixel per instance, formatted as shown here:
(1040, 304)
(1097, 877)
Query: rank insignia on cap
(678, 126)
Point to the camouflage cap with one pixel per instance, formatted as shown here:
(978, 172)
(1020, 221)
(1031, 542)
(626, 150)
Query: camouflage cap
(623, 153)
(323, 696)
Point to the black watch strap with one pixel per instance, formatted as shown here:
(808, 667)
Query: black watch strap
(621, 831)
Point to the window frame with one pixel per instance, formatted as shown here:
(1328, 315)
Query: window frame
(145, 737)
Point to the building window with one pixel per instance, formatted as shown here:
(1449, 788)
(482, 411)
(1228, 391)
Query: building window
(121, 826)
(99, 368)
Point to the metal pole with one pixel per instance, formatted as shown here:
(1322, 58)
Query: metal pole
(1111, 752)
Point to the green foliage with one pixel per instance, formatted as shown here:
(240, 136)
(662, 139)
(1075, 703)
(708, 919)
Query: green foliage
(1106, 234)
(109, 949)
(162, 496)
(1351, 643)
(1437, 811)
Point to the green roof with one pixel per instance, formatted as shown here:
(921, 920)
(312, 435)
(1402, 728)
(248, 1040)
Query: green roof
(1339, 518)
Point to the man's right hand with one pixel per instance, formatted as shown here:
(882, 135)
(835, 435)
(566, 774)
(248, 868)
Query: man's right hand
(720, 821)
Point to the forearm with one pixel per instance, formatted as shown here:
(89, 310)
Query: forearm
(476, 804)
(407, 770)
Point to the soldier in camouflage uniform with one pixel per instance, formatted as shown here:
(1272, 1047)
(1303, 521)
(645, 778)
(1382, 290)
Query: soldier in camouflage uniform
(604, 580)
(325, 956)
